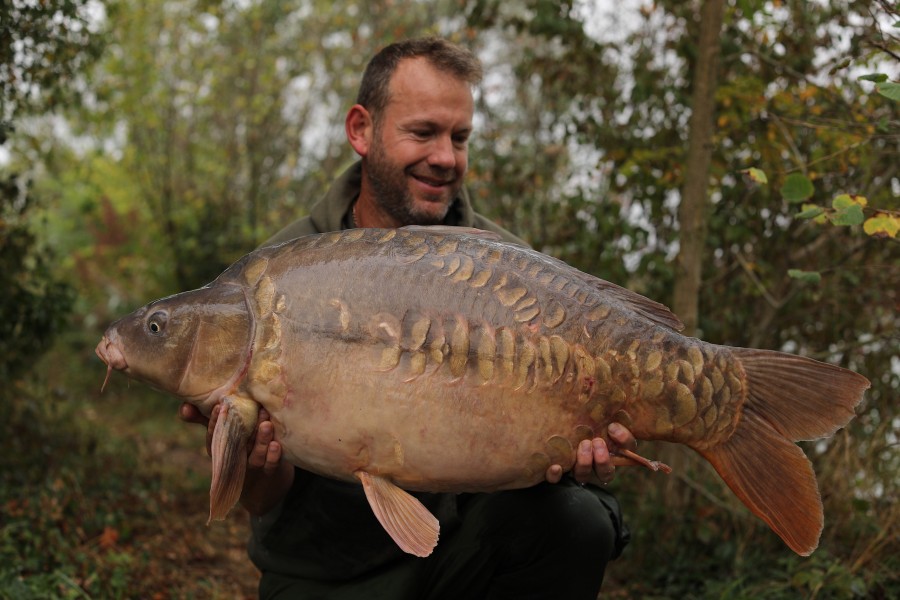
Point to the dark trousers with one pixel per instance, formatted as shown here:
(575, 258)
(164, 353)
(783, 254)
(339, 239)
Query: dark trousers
(545, 542)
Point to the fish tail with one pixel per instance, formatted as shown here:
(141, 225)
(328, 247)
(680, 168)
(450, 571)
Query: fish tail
(789, 398)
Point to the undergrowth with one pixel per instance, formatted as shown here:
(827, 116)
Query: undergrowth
(104, 497)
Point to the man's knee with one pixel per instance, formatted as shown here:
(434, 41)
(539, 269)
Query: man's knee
(565, 517)
(579, 525)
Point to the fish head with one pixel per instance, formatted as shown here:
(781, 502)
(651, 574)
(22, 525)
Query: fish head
(195, 345)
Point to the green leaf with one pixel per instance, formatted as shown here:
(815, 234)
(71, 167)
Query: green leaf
(852, 215)
(848, 200)
(805, 276)
(876, 77)
(811, 212)
(756, 175)
(889, 89)
(797, 188)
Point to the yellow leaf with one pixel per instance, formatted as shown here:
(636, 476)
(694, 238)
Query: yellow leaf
(882, 225)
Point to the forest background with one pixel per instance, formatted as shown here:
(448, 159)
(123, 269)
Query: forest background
(737, 160)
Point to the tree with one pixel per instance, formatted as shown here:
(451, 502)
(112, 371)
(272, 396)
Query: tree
(43, 49)
(692, 210)
(788, 101)
(226, 116)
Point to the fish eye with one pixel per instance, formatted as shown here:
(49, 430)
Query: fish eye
(156, 324)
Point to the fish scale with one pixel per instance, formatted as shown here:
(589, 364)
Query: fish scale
(435, 359)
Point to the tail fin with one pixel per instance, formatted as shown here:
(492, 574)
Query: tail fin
(790, 398)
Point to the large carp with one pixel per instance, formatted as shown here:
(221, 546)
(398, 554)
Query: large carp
(430, 359)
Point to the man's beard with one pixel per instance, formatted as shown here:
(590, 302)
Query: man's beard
(392, 193)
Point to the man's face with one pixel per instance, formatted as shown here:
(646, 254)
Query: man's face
(419, 151)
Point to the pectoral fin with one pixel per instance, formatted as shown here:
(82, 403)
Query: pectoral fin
(405, 519)
(235, 425)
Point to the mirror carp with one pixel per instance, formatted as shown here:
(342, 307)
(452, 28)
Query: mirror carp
(444, 360)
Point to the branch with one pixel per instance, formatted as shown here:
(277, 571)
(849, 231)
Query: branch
(772, 300)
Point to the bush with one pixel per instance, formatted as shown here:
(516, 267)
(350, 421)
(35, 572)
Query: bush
(34, 304)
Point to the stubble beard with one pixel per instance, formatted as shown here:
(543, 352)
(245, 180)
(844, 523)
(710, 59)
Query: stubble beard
(392, 193)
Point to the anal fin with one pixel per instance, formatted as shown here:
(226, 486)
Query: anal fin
(406, 520)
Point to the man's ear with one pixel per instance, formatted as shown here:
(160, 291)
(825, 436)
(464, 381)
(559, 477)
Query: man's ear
(360, 129)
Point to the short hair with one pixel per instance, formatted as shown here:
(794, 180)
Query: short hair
(445, 56)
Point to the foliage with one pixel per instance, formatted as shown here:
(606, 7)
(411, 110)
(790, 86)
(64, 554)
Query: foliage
(213, 123)
(791, 115)
(227, 116)
(89, 512)
(45, 46)
(34, 303)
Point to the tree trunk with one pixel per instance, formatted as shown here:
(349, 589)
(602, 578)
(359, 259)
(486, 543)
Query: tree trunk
(692, 217)
(692, 212)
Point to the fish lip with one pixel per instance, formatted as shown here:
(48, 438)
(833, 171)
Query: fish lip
(109, 352)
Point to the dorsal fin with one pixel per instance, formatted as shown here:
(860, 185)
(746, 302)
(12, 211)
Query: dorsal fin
(650, 309)
(656, 312)
(454, 230)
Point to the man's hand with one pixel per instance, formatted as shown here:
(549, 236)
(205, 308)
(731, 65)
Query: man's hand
(593, 461)
(265, 452)
(189, 414)
(268, 477)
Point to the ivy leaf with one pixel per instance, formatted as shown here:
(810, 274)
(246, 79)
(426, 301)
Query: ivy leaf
(805, 276)
(810, 211)
(882, 225)
(876, 77)
(756, 175)
(797, 188)
(889, 89)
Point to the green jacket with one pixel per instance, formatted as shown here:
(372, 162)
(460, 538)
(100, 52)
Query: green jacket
(331, 213)
(324, 530)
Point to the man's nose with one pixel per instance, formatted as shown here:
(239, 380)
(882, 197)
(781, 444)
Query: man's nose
(443, 153)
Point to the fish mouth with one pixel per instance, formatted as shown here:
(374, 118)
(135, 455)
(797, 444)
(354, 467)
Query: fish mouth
(109, 352)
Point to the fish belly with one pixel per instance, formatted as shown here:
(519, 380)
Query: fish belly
(428, 433)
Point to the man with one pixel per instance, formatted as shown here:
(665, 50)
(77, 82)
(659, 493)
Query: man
(317, 538)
